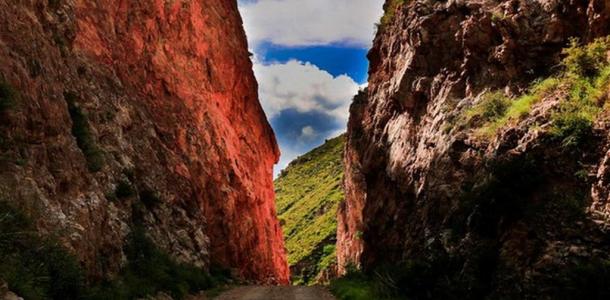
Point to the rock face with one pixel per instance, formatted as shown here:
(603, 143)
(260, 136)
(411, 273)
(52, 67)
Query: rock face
(139, 112)
(419, 186)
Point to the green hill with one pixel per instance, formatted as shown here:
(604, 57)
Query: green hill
(308, 193)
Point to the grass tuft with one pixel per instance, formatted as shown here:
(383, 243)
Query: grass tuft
(82, 132)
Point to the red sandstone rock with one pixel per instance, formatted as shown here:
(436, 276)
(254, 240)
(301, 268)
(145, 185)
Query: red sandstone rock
(172, 104)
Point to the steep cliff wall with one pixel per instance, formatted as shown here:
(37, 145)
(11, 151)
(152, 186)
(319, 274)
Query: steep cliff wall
(139, 112)
(448, 160)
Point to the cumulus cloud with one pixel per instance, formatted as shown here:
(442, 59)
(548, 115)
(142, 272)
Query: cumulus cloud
(305, 88)
(308, 133)
(304, 103)
(311, 22)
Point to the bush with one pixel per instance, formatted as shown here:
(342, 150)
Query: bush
(150, 271)
(328, 249)
(82, 132)
(124, 190)
(37, 268)
(7, 96)
(585, 77)
(150, 198)
(33, 267)
(353, 286)
(572, 129)
(390, 11)
(586, 60)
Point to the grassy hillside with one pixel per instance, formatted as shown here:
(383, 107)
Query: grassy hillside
(308, 193)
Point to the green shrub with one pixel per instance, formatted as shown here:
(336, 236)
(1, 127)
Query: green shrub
(328, 249)
(150, 198)
(82, 132)
(8, 96)
(413, 279)
(494, 106)
(34, 267)
(124, 189)
(37, 268)
(389, 9)
(572, 129)
(491, 107)
(586, 60)
(353, 286)
(149, 271)
(585, 77)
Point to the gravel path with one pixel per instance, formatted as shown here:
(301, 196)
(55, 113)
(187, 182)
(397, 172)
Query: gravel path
(277, 293)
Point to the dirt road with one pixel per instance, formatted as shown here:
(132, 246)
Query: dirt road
(277, 293)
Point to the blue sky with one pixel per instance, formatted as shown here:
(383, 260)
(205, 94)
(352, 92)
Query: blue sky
(309, 60)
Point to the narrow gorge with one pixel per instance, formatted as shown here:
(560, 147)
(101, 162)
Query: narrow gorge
(137, 162)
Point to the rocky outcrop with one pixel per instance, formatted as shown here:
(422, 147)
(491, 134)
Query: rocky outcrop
(123, 113)
(421, 186)
(6, 294)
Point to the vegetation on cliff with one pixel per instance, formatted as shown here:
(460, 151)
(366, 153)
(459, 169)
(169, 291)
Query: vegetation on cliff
(540, 195)
(308, 193)
(584, 80)
(38, 267)
(81, 131)
(7, 96)
(389, 9)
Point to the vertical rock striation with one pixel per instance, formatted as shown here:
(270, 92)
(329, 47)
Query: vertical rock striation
(412, 174)
(144, 113)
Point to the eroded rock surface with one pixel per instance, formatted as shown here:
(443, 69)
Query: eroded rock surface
(140, 112)
(411, 176)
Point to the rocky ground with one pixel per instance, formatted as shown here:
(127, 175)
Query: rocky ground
(277, 293)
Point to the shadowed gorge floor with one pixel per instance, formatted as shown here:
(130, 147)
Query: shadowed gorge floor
(276, 293)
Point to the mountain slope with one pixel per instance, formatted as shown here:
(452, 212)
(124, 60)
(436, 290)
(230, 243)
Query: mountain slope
(308, 193)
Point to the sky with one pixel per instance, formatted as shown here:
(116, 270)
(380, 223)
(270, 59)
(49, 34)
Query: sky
(310, 61)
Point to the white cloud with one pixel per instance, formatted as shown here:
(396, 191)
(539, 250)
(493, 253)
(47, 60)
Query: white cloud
(311, 22)
(308, 133)
(305, 88)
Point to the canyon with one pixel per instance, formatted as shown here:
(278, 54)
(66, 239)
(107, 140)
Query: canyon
(125, 114)
(475, 163)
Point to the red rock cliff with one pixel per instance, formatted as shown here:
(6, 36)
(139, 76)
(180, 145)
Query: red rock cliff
(170, 107)
(420, 187)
